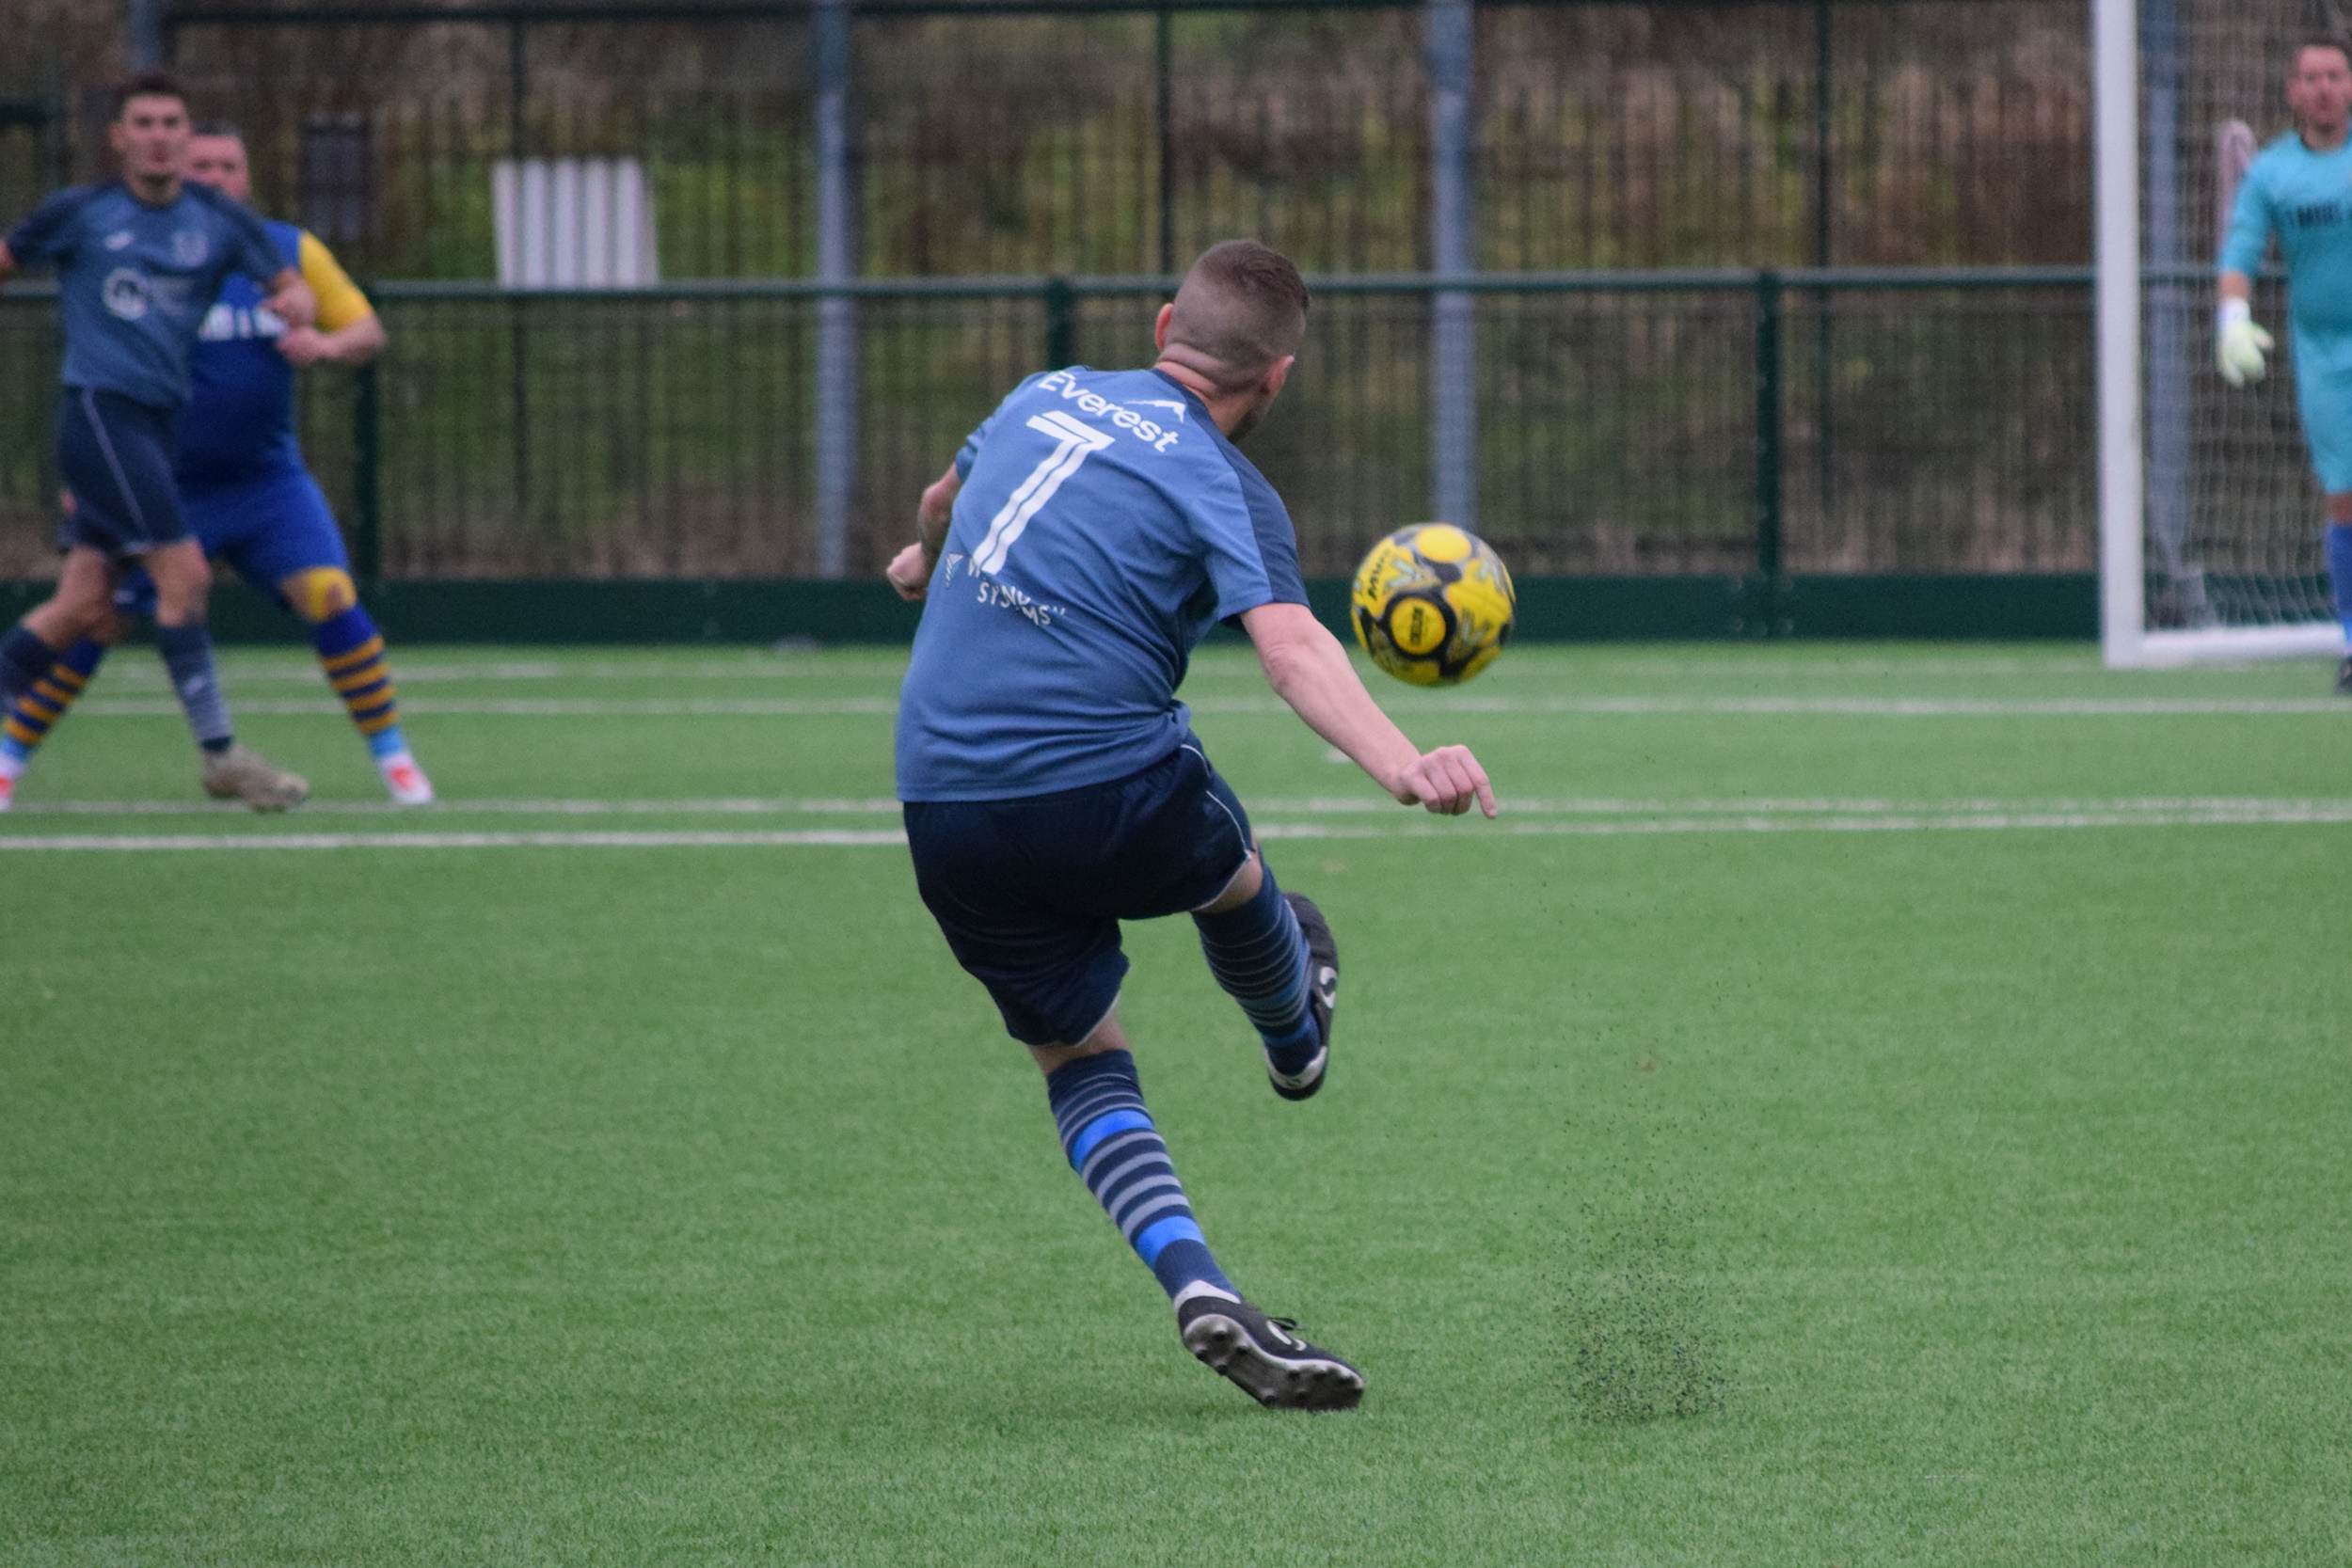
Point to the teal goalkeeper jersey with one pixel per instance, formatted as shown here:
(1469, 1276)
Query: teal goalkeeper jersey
(2304, 199)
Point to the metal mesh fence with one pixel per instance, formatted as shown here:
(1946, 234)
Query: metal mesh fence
(2233, 516)
(1606, 135)
(1631, 421)
(665, 434)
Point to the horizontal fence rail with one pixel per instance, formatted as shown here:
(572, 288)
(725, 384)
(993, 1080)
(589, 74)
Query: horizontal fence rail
(1741, 422)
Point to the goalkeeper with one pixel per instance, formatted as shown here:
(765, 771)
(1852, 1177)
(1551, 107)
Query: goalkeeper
(2300, 189)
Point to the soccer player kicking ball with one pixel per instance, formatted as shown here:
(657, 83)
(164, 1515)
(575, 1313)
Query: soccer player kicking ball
(2300, 188)
(138, 261)
(248, 497)
(1089, 533)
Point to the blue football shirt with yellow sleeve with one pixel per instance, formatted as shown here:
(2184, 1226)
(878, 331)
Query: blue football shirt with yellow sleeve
(238, 421)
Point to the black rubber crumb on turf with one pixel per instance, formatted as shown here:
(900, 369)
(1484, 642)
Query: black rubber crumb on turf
(1641, 1332)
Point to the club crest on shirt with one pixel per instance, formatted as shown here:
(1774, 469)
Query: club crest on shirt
(125, 294)
(189, 247)
(119, 240)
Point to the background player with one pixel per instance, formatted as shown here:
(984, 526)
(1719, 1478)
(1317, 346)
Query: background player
(1089, 533)
(137, 260)
(248, 497)
(2300, 189)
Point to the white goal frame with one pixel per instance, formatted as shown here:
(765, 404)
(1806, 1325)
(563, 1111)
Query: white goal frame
(2125, 640)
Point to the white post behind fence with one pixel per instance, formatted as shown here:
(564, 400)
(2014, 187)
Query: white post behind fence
(2115, 79)
(836, 314)
(1454, 323)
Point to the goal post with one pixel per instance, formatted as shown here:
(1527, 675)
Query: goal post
(2210, 522)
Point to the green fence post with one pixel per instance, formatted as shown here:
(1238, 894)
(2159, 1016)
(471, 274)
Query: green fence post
(367, 495)
(1062, 325)
(1769, 586)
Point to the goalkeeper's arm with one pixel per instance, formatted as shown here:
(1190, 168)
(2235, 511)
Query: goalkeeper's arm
(2238, 344)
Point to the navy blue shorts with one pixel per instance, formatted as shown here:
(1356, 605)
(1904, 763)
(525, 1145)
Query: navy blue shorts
(115, 454)
(1030, 891)
(267, 526)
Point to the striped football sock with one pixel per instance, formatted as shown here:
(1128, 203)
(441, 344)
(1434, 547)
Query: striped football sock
(40, 705)
(1258, 955)
(188, 653)
(351, 651)
(24, 659)
(1098, 1106)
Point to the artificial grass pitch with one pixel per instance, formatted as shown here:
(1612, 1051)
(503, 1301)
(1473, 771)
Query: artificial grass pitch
(1891, 1108)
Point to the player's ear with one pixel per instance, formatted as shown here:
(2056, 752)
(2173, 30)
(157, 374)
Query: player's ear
(1159, 326)
(1280, 373)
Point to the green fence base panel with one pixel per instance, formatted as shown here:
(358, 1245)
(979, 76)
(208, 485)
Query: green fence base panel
(1552, 609)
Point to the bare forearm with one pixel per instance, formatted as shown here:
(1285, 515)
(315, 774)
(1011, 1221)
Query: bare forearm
(355, 344)
(2236, 285)
(936, 510)
(1310, 671)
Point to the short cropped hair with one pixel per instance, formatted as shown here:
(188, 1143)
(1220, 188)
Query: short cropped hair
(2323, 40)
(1242, 307)
(148, 83)
(220, 128)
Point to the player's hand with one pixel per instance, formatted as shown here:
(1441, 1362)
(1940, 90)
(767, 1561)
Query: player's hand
(304, 345)
(2238, 344)
(910, 573)
(290, 299)
(1444, 782)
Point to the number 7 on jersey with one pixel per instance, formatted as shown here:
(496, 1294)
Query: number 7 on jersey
(1076, 442)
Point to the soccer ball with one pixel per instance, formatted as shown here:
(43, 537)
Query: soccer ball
(1433, 605)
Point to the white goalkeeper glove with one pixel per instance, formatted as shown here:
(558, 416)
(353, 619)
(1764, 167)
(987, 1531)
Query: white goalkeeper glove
(2238, 344)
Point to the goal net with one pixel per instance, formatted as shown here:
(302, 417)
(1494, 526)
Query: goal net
(2210, 520)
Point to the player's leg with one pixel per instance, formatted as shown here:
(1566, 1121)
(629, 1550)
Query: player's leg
(34, 643)
(1112, 1143)
(115, 456)
(1050, 958)
(1108, 1136)
(284, 535)
(351, 652)
(2340, 575)
(40, 705)
(230, 771)
(47, 658)
(1273, 954)
(2323, 387)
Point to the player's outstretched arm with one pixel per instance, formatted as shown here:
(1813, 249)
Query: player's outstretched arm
(1309, 670)
(2238, 344)
(910, 570)
(355, 344)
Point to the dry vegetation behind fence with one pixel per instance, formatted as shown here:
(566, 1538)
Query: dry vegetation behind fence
(1617, 432)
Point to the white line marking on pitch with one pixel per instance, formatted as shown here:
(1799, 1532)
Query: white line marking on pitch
(2294, 808)
(2221, 814)
(455, 841)
(468, 808)
(1842, 708)
(540, 707)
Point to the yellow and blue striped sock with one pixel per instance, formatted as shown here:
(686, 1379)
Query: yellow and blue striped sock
(40, 705)
(351, 651)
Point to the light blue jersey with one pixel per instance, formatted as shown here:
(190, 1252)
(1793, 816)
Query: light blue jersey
(1104, 525)
(2304, 199)
(133, 281)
